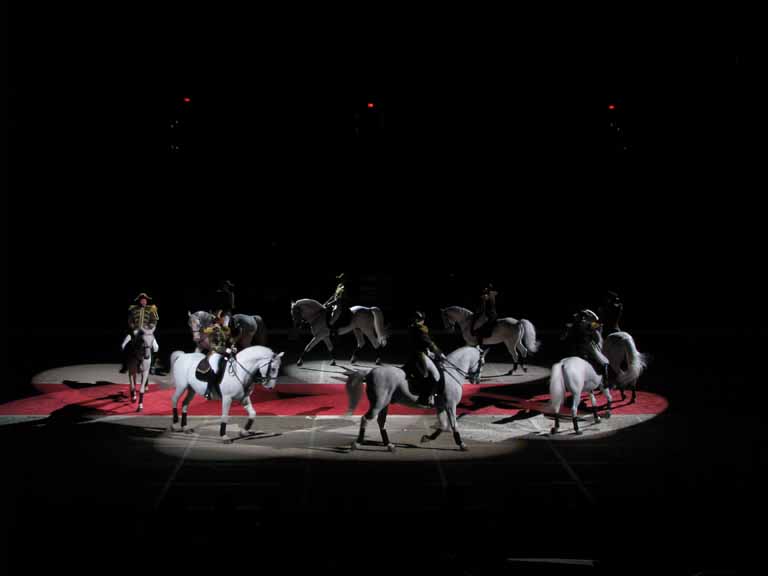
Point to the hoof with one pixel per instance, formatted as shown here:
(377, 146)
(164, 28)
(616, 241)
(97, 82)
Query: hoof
(300, 362)
(463, 447)
(247, 433)
(378, 361)
(597, 420)
(174, 428)
(188, 430)
(133, 399)
(554, 431)
(578, 433)
(607, 415)
(139, 409)
(354, 446)
(353, 361)
(226, 440)
(425, 438)
(391, 447)
(525, 368)
(333, 362)
(633, 400)
(511, 372)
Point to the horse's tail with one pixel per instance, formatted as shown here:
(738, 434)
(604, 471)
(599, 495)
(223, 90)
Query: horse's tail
(174, 357)
(355, 381)
(556, 387)
(261, 331)
(378, 324)
(529, 336)
(636, 362)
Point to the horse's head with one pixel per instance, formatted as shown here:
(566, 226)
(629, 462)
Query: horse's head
(296, 315)
(197, 322)
(142, 342)
(448, 321)
(270, 371)
(477, 369)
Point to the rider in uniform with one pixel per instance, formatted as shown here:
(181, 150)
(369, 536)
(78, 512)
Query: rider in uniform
(582, 338)
(425, 374)
(482, 329)
(211, 369)
(611, 311)
(141, 315)
(336, 304)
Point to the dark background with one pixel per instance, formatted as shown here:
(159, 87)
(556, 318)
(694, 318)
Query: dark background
(490, 155)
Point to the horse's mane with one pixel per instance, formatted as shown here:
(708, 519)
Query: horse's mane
(466, 311)
(307, 301)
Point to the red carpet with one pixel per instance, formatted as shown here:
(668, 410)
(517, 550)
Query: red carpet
(291, 400)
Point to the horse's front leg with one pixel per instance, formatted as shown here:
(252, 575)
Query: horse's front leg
(312, 343)
(144, 380)
(226, 402)
(246, 431)
(451, 411)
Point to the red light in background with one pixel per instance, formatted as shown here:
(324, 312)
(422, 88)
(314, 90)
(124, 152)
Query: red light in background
(371, 105)
(187, 100)
(611, 107)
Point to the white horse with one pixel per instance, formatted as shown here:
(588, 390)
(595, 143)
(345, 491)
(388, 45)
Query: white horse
(254, 365)
(388, 384)
(517, 335)
(626, 362)
(576, 375)
(245, 327)
(368, 322)
(139, 361)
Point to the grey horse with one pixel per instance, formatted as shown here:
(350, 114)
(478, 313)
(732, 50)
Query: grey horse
(368, 322)
(247, 329)
(388, 384)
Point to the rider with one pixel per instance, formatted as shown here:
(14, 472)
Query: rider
(336, 304)
(141, 315)
(486, 310)
(226, 306)
(417, 368)
(582, 339)
(610, 311)
(221, 349)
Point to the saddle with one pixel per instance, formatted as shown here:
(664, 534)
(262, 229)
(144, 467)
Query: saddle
(205, 373)
(345, 317)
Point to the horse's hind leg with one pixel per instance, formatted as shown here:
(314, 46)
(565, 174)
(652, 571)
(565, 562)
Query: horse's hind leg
(575, 412)
(367, 417)
(512, 347)
(360, 344)
(375, 343)
(384, 436)
(594, 406)
(523, 355)
(185, 409)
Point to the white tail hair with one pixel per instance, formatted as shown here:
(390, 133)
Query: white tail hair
(529, 336)
(556, 387)
(378, 324)
(636, 362)
(354, 388)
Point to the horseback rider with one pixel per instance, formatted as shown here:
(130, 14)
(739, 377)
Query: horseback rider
(486, 315)
(141, 315)
(226, 307)
(212, 368)
(582, 338)
(611, 311)
(336, 304)
(424, 374)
